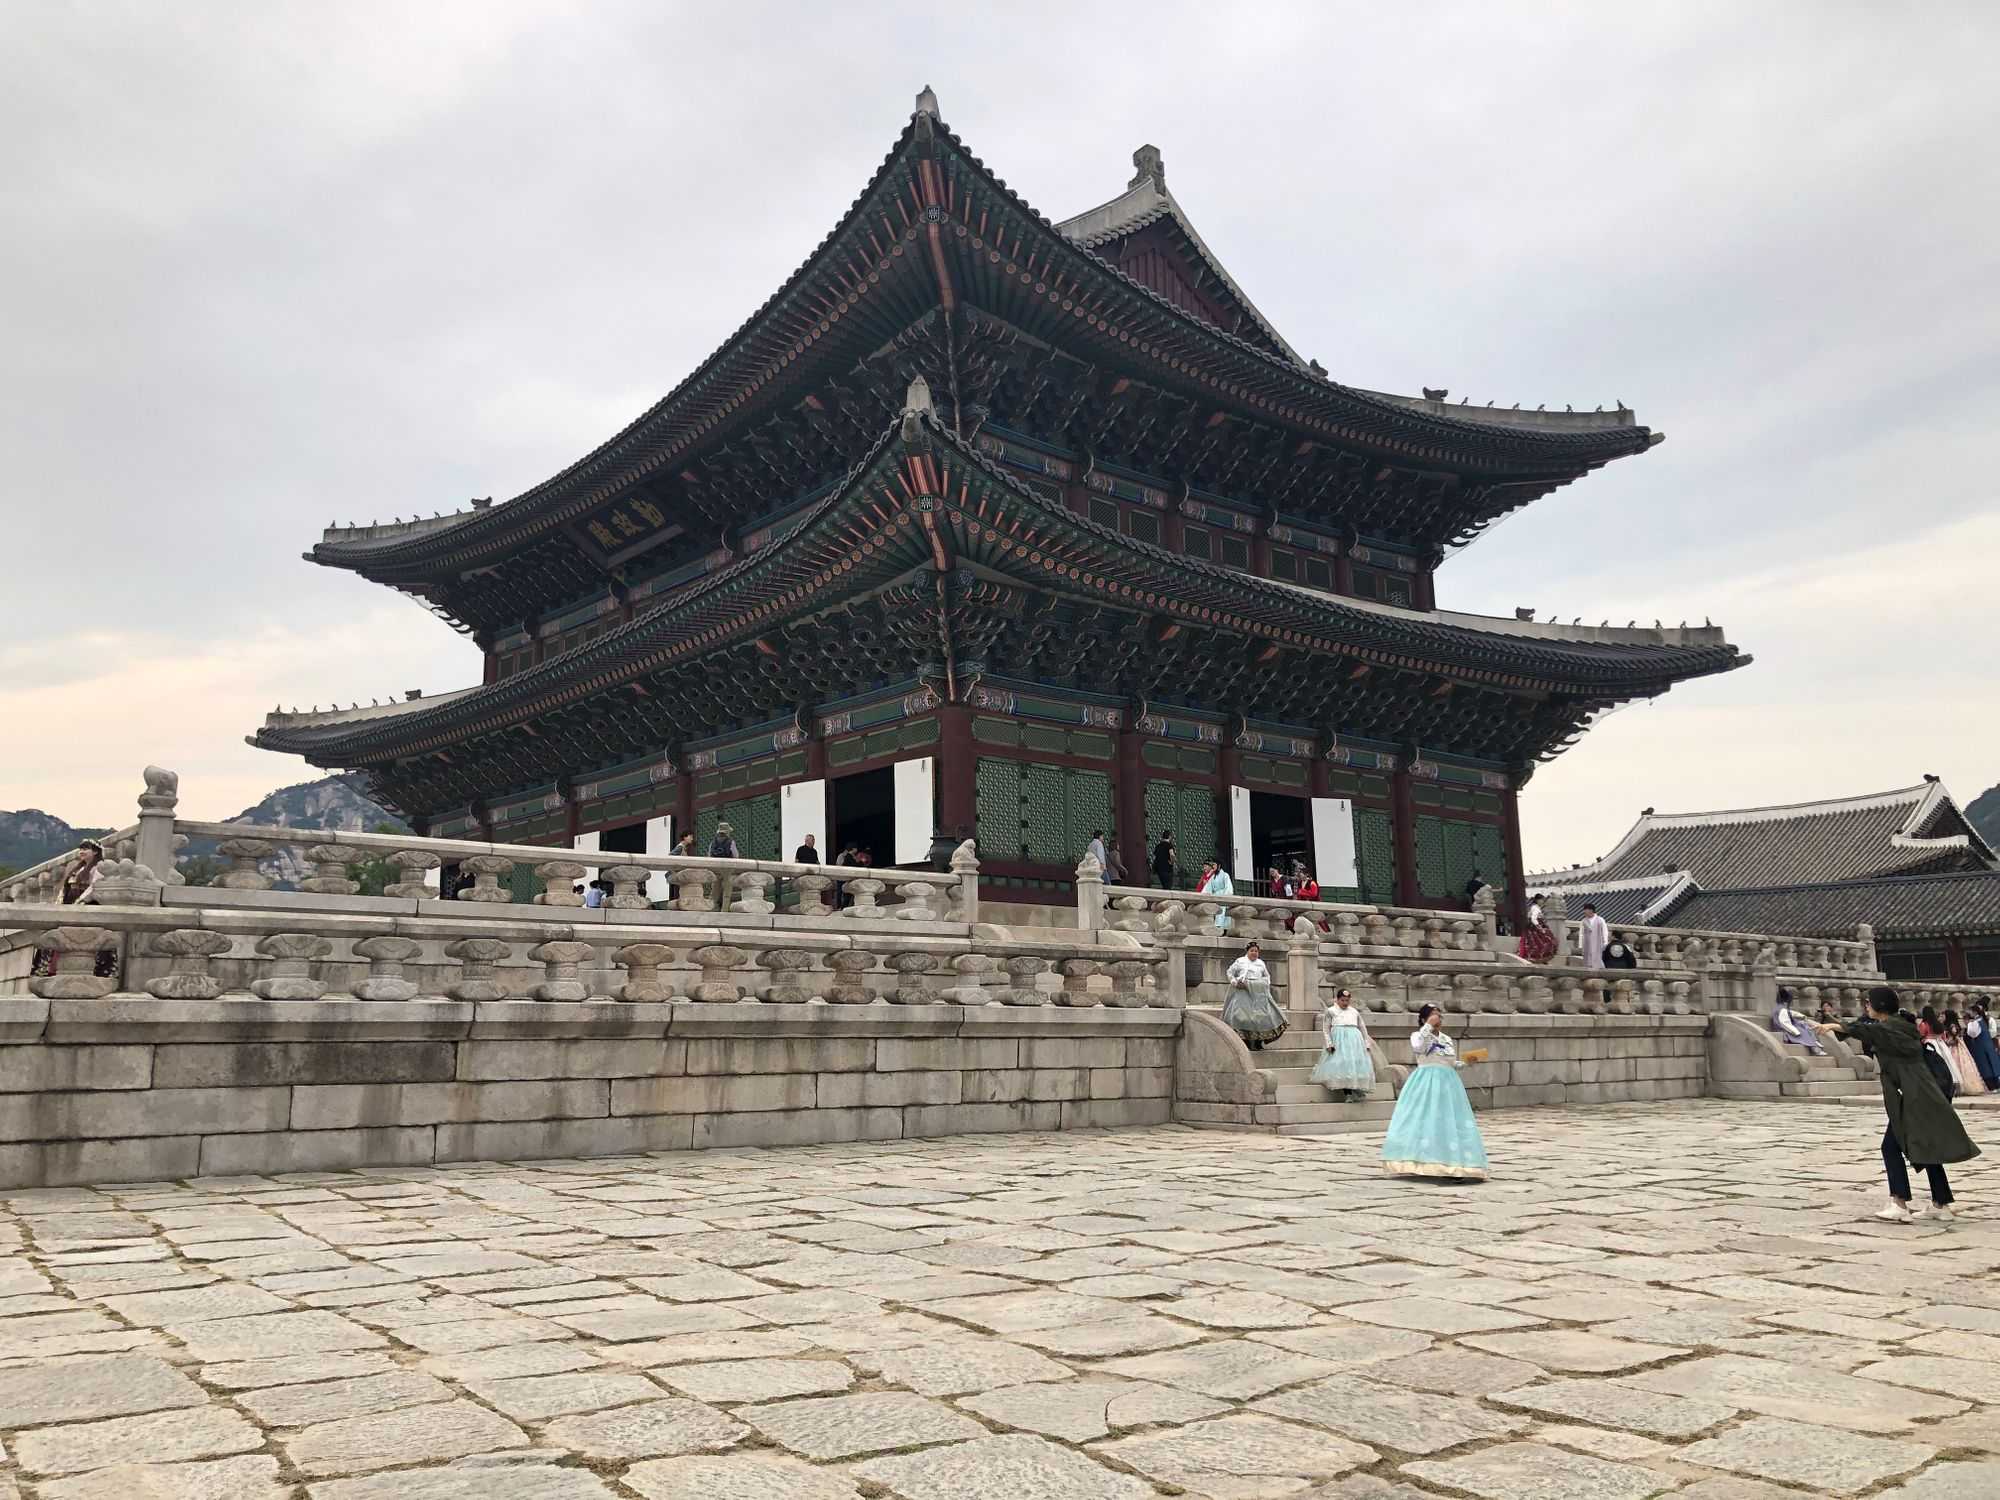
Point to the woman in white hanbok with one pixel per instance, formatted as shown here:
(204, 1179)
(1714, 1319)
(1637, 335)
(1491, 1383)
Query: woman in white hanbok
(1345, 1068)
(1250, 1011)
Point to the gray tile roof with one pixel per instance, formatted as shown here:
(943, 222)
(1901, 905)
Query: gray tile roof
(1961, 904)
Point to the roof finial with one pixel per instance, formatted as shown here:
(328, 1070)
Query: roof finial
(927, 102)
(1146, 160)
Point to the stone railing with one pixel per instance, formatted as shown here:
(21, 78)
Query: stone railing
(184, 952)
(693, 884)
(1388, 932)
(1786, 955)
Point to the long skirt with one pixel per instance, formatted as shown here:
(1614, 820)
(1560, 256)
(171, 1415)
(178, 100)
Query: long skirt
(1346, 1064)
(1806, 1039)
(1253, 1014)
(1537, 945)
(1432, 1132)
(1969, 1081)
(1987, 1056)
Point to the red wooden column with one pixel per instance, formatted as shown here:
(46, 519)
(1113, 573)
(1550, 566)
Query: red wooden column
(1260, 548)
(684, 801)
(1343, 572)
(1954, 960)
(1517, 876)
(1404, 825)
(958, 770)
(1129, 804)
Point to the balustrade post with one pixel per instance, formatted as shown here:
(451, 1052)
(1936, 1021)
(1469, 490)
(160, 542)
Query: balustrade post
(387, 978)
(753, 894)
(644, 983)
(691, 886)
(559, 878)
(1201, 917)
(1077, 974)
(861, 896)
(1680, 997)
(1134, 914)
(75, 975)
(124, 882)
(479, 972)
(486, 870)
(292, 955)
(1865, 935)
(1128, 978)
(972, 970)
(1618, 998)
(154, 847)
(910, 989)
(719, 963)
(965, 865)
(847, 986)
(1089, 894)
(1652, 997)
(1023, 969)
(913, 901)
(628, 887)
(1555, 911)
(787, 966)
(1537, 996)
(1302, 967)
(413, 863)
(190, 978)
(812, 891)
(1243, 921)
(1173, 943)
(329, 876)
(1486, 910)
(1499, 999)
(561, 960)
(243, 873)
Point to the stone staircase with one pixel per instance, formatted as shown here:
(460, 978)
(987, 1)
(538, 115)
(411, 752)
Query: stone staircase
(1826, 1078)
(1303, 1107)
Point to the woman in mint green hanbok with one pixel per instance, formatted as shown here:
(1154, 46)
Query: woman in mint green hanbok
(1216, 882)
(1432, 1132)
(1345, 1067)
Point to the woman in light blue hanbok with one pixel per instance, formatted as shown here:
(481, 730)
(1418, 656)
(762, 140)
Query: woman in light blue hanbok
(1345, 1068)
(1217, 883)
(1432, 1132)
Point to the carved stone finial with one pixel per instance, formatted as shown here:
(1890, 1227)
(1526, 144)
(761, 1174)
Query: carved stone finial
(927, 103)
(916, 406)
(1146, 163)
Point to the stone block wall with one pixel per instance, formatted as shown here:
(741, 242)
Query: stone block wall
(135, 1089)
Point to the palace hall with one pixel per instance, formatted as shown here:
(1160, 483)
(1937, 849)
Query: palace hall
(990, 526)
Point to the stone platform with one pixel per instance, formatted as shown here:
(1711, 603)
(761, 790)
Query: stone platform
(1672, 1299)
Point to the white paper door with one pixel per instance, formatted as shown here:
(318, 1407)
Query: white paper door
(913, 810)
(1334, 863)
(1243, 864)
(586, 843)
(801, 811)
(659, 840)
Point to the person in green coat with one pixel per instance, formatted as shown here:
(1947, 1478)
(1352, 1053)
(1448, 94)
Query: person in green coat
(1922, 1124)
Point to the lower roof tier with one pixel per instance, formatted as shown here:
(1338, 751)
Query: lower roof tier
(931, 561)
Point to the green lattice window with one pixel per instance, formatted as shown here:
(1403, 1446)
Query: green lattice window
(1190, 812)
(1449, 850)
(1041, 813)
(1375, 853)
(754, 821)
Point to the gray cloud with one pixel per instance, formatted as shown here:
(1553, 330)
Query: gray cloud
(270, 266)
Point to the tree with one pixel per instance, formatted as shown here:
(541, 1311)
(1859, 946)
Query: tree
(200, 870)
(376, 872)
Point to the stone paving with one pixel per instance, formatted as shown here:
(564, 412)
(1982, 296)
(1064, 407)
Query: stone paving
(1646, 1300)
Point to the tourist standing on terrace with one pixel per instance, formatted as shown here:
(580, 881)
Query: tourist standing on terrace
(1250, 1010)
(1166, 862)
(1095, 850)
(1922, 1123)
(808, 851)
(1596, 933)
(77, 883)
(1215, 881)
(1432, 1132)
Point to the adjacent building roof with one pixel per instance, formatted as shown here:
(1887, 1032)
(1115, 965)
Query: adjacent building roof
(1916, 828)
(1963, 903)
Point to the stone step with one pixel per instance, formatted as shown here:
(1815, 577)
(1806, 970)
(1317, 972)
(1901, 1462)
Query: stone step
(1371, 1112)
(1330, 1127)
(1829, 1088)
(1315, 1093)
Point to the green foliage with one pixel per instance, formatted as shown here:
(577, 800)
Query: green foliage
(200, 870)
(376, 872)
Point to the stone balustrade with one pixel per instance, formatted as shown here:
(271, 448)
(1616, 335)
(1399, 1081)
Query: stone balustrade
(43, 882)
(744, 887)
(1363, 931)
(1788, 956)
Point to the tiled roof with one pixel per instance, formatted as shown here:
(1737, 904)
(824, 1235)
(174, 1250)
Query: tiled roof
(1955, 905)
(1914, 829)
(1627, 903)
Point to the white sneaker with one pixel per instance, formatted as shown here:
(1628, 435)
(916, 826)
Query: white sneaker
(1941, 1214)
(1896, 1213)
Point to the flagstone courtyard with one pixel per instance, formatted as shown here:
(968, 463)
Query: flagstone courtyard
(1646, 1300)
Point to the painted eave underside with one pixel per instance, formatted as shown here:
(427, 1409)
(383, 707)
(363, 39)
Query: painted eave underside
(917, 468)
(758, 370)
(1911, 829)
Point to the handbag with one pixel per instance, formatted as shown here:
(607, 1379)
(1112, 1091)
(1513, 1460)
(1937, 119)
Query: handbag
(1947, 1085)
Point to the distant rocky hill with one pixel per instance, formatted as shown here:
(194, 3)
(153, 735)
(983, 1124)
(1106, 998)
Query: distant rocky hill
(1983, 813)
(30, 836)
(333, 803)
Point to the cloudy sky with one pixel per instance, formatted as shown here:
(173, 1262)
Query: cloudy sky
(265, 266)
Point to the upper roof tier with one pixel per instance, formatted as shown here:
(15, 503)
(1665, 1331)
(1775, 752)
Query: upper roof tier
(930, 556)
(1118, 336)
(1917, 828)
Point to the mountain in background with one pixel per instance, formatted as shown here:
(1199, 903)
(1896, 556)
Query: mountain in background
(1983, 813)
(30, 836)
(333, 802)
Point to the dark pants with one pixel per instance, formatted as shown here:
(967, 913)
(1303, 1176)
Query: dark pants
(1899, 1177)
